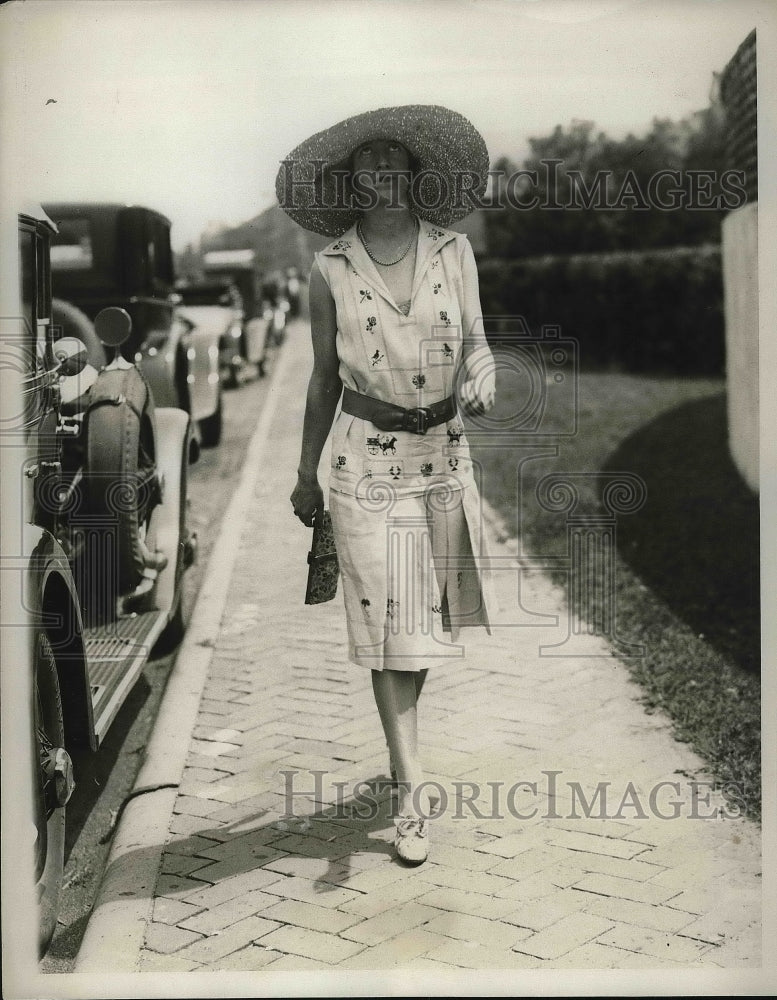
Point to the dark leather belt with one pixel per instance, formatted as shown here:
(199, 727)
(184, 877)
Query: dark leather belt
(389, 417)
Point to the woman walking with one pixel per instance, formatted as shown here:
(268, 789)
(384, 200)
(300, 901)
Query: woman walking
(397, 332)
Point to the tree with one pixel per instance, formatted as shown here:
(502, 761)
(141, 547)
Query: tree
(594, 193)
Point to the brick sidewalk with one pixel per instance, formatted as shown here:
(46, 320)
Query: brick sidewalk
(243, 888)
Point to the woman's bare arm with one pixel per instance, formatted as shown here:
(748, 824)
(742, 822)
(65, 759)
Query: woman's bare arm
(478, 392)
(323, 394)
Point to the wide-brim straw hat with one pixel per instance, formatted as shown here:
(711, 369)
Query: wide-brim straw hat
(450, 166)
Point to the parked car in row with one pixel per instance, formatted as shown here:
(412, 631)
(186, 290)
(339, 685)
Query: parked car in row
(120, 255)
(217, 307)
(264, 309)
(276, 304)
(102, 473)
(265, 297)
(238, 268)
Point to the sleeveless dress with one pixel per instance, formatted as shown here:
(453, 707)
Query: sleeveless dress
(405, 507)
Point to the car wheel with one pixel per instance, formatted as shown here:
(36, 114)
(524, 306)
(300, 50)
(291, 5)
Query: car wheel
(49, 804)
(211, 427)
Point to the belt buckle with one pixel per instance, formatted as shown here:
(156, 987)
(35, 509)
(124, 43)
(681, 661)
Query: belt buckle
(418, 418)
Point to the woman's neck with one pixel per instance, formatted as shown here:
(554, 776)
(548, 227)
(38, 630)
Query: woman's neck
(384, 223)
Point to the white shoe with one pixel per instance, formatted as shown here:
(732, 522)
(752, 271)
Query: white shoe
(412, 839)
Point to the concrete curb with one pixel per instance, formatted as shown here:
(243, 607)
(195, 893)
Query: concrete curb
(125, 900)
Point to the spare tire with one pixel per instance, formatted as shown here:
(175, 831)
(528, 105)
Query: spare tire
(120, 480)
(75, 323)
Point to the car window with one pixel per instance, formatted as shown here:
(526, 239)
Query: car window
(27, 261)
(43, 284)
(160, 263)
(33, 344)
(72, 248)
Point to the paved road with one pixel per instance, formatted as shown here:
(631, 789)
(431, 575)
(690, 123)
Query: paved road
(226, 872)
(106, 778)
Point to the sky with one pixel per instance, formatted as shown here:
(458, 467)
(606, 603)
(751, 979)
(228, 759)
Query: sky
(189, 105)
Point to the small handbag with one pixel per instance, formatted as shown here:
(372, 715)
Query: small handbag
(323, 567)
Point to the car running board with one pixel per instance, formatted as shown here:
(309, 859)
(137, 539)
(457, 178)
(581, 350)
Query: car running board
(116, 654)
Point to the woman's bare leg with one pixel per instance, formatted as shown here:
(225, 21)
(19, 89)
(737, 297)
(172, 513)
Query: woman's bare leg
(419, 678)
(396, 697)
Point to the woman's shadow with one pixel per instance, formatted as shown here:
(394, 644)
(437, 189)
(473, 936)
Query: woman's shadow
(695, 542)
(336, 834)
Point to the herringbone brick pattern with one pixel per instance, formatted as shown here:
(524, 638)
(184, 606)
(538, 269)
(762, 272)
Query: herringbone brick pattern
(279, 854)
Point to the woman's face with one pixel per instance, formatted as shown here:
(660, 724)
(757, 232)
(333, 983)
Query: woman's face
(381, 154)
(382, 165)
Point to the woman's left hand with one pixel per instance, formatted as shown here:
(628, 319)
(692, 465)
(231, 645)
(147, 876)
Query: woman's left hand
(307, 498)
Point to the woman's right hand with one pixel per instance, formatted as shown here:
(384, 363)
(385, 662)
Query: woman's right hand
(477, 395)
(306, 498)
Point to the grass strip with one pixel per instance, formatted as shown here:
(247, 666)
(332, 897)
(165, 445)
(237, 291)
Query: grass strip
(687, 564)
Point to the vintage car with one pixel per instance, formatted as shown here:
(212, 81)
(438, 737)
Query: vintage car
(217, 307)
(101, 515)
(239, 267)
(276, 304)
(120, 255)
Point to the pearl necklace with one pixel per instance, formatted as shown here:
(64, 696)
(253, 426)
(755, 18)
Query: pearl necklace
(386, 263)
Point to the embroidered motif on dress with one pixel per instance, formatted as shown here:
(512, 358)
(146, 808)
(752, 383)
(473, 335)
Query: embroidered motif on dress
(387, 354)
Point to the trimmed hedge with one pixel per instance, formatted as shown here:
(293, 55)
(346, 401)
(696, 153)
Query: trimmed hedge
(656, 311)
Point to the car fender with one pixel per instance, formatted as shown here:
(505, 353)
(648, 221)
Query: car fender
(159, 369)
(203, 340)
(53, 604)
(167, 366)
(173, 433)
(257, 338)
(206, 384)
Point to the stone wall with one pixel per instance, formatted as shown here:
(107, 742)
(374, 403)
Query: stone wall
(740, 292)
(740, 261)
